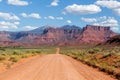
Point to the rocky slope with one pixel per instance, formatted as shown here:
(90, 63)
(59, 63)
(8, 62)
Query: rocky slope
(66, 35)
(113, 41)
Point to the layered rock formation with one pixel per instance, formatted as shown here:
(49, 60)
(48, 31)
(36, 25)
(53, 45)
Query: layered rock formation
(96, 33)
(66, 35)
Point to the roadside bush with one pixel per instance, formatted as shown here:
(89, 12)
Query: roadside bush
(16, 53)
(105, 55)
(2, 58)
(91, 51)
(14, 59)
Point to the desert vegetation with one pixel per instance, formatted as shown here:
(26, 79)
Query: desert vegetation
(106, 59)
(103, 58)
(9, 56)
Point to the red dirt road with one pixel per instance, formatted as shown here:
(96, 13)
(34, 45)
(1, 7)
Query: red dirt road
(53, 67)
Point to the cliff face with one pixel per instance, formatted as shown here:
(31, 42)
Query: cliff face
(63, 35)
(96, 34)
(4, 36)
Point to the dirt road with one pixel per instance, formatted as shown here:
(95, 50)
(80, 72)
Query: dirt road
(53, 67)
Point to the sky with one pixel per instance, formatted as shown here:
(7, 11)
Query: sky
(18, 15)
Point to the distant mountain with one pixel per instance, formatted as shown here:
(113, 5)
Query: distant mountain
(39, 30)
(65, 35)
(92, 34)
(70, 27)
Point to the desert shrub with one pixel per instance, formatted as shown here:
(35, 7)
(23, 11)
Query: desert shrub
(14, 59)
(37, 51)
(16, 53)
(24, 56)
(92, 51)
(4, 54)
(105, 55)
(97, 49)
(2, 58)
(117, 64)
(99, 60)
(3, 49)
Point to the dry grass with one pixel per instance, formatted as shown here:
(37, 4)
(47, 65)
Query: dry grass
(105, 59)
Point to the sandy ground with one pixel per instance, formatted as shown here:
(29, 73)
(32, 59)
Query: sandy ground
(4, 67)
(53, 67)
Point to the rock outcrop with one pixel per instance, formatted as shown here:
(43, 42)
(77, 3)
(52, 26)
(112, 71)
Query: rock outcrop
(93, 34)
(66, 35)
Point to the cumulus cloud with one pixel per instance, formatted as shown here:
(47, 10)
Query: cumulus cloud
(54, 18)
(51, 17)
(102, 21)
(116, 29)
(108, 3)
(59, 18)
(8, 25)
(29, 27)
(82, 9)
(117, 11)
(32, 15)
(8, 16)
(97, 19)
(16, 23)
(18, 2)
(89, 19)
(102, 18)
(55, 3)
(111, 4)
(110, 21)
(69, 21)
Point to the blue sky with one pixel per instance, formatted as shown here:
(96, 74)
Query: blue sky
(17, 15)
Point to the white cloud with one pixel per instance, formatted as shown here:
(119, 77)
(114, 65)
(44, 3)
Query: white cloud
(24, 15)
(59, 18)
(0, 0)
(82, 9)
(29, 27)
(102, 18)
(69, 21)
(8, 16)
(64, 12)
(116, 29)
(35, 15)
(117, 11)
(18, 2)
(55, 3)
(32, 15)
(51, 17)
(103, 21)
(108, 3)
(110, 21)
(89, 19)
(17, 23)
(8, 25)
(111, 4)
